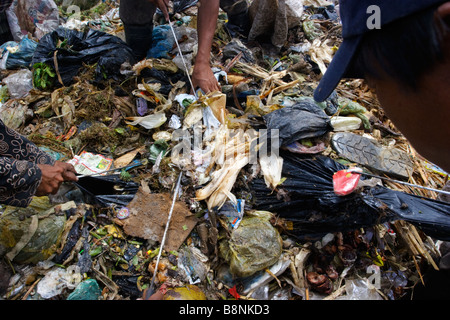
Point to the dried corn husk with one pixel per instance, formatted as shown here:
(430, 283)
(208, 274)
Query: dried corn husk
(151, 121)
(321, 53)
(271, 167)
(158, 64)
(229, 154)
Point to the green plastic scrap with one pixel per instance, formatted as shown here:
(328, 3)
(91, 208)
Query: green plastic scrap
(36, 237)
(4, 94)
(311, 29)
(159, 146)
(347, 106)
(86, 290)
(255, 245)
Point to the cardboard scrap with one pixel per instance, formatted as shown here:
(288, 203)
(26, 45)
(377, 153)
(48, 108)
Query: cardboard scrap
(148, 217)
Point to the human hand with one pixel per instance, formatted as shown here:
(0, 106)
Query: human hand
(54, 176)
(69, 174)
(162, 5)
(203, 78)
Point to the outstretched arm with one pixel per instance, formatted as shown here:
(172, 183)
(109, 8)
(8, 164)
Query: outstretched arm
(202, 76)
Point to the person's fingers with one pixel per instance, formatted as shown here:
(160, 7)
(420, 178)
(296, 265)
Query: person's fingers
(49, 186)
(68, 171)
(158, 295)
(69, 167)
(203, 78)
(69, 176)
(163, 5)
(212, 87)
(207, 86)
(51, 179)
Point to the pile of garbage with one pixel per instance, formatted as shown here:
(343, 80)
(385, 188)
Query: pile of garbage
(255, 192)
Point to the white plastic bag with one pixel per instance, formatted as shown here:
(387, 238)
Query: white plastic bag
(56, 280)
(360, 289)
(19, 83)
(37, 17)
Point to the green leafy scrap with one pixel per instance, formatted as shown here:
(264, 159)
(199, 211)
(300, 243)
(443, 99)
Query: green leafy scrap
(43, 75)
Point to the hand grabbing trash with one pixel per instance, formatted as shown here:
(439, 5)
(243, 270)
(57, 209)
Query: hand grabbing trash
(28, 171)
(54, 176)
(204, 78)
(162, 5)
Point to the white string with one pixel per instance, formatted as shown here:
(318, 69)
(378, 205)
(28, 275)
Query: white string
(182, 58)
(165, 231)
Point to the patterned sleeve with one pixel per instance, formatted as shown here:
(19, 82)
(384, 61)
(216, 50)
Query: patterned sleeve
(19, 174)
(14, 145)
(19, 180)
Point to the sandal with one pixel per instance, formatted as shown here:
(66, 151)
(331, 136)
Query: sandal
(371, 154)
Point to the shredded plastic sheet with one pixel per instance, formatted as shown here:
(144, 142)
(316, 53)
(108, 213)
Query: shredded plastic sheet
(56, 280)
(271, 167)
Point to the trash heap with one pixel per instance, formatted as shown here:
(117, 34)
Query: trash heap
(245, 224)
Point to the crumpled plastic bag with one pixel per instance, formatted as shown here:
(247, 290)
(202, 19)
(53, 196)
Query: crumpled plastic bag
(193, 264)
(308, 200)
(234, 47)
(14, 113)
(107, 191)
(304, 119)
(73, 48)
(35, 16)
(255, 245)
(19, 83)
(86, 290)
(164, 46)
(274, 17)
(162, 42)
(17, 54)
(57, 279)
(359, 289)
(36, 237)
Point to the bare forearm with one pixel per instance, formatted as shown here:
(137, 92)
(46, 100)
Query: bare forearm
(206, 27)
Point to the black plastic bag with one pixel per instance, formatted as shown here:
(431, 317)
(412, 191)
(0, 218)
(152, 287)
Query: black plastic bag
(307, 199)
(304, 119)
(235, 47)
(75, 48)
(431, 216)
(107, 191)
